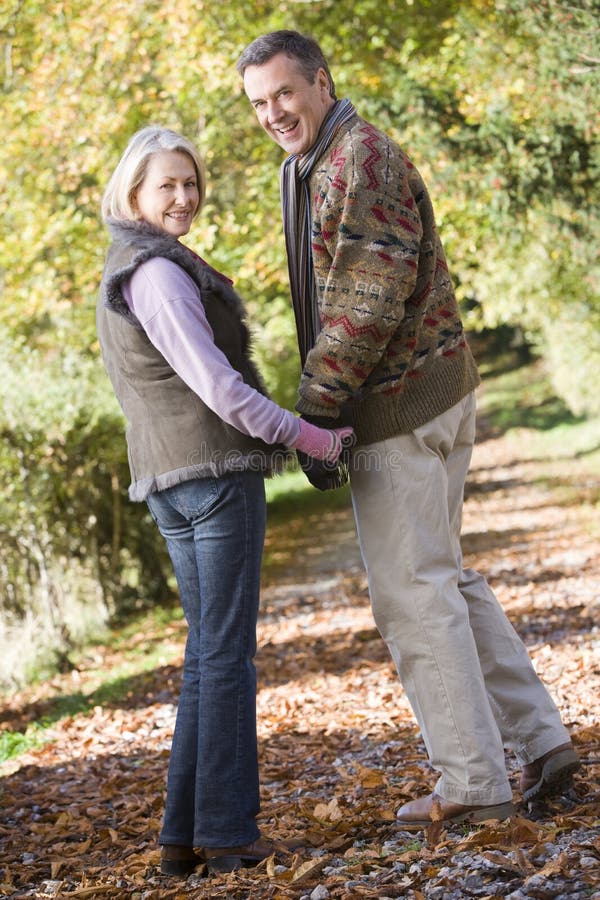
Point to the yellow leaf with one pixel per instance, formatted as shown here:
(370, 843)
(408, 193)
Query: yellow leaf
(437, 814)
(55, 867)
(552, 867)
(328, 812)
(308, 869)
(369, 778)
(388, 815)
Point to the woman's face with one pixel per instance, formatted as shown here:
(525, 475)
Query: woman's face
(168, 196)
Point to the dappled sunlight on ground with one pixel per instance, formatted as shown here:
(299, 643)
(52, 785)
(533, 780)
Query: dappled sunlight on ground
(339, 747)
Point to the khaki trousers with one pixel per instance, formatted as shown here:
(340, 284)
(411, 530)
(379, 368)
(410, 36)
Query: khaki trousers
(466, 673)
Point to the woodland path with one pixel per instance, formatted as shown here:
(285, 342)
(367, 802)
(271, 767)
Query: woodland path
(79, 815)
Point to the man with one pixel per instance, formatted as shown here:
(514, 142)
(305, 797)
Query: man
(382, 344)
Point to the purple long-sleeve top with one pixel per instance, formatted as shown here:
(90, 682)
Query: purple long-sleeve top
(168, 306)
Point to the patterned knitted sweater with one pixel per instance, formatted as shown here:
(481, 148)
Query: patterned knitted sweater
(392, 353)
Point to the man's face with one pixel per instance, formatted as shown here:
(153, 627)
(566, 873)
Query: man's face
(289, 108)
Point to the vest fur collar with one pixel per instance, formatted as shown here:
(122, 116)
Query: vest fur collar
(134, 242)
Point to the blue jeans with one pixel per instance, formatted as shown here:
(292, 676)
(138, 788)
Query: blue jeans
(215, 529)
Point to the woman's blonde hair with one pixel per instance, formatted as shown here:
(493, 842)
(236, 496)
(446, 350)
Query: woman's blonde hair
(118, 201)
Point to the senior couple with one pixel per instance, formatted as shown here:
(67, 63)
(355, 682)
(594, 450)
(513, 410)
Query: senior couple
(385, 364)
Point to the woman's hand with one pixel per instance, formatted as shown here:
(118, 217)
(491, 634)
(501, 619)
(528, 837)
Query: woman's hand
(323, 443)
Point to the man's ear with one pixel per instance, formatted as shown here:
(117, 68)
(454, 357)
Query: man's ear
(323, 79)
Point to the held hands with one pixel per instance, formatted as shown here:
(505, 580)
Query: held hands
(323, 443)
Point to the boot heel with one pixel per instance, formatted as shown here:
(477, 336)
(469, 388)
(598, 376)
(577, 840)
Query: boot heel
(178, 861)
(221, 864)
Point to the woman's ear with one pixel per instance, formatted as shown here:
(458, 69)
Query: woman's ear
(133, 204)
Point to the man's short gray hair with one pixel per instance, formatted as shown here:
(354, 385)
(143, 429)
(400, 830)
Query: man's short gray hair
(301, 47)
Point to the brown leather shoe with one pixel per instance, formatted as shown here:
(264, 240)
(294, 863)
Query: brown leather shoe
(229, 859)
(551, 773)
(420, 813)
(178, 860)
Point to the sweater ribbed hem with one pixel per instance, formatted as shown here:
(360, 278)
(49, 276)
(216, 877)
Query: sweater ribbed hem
(421, 401)
(268, 463)
(376, 417)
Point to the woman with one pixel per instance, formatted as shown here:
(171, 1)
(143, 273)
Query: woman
(201, 436)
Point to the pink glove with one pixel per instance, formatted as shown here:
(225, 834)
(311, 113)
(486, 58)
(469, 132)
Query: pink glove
(321, 443)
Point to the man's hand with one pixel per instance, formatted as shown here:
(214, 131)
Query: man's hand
(326, 475)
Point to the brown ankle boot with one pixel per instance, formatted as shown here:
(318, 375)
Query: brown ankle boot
(229, 859)
(550, 773)
(178, 860)
(420, 813)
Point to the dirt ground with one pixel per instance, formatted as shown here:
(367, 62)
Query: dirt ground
(340, 751)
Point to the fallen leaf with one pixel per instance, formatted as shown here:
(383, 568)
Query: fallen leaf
(328, 812)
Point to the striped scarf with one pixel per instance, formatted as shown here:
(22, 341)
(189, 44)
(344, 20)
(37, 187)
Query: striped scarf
(295, 204)
(297, 226)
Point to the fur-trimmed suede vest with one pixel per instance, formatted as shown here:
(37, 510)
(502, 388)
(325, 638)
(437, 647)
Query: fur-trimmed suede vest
(172, 436)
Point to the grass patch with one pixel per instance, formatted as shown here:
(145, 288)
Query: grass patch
(291, 493)
(13, 743)
(522, 397)
(521, 400)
